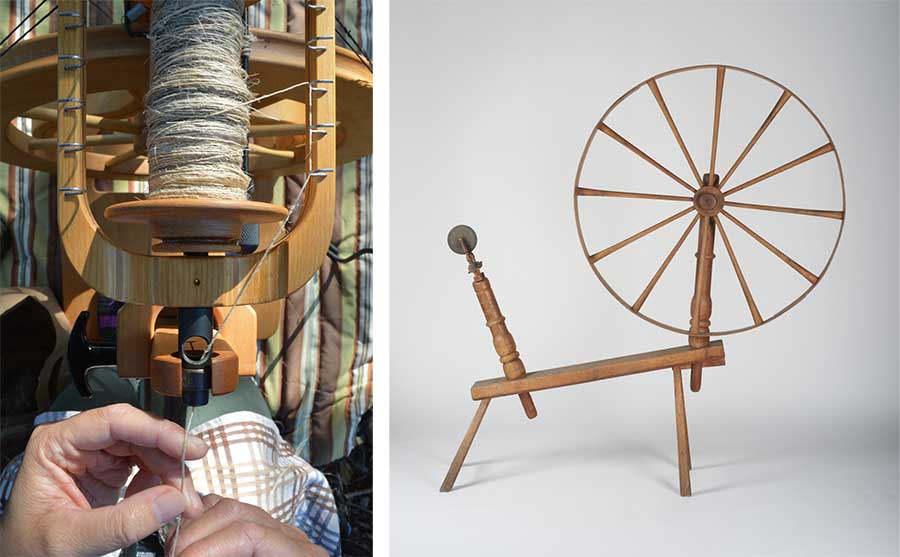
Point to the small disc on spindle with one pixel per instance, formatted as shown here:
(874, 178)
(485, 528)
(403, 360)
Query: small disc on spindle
(462, 239)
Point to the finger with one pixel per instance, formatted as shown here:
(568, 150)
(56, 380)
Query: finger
(105, 529)
(104, 427)
(144, 479)
(210, 500)
(168, 471)
(218, 517)
(249, 539)
(195, 505)
(112, 471)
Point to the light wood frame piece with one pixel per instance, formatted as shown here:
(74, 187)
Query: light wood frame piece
(193, 281)
(675, 359)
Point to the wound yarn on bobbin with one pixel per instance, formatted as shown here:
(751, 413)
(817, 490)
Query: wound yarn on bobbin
(197, 107)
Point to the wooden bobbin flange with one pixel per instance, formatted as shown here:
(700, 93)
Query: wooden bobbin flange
(195, 225)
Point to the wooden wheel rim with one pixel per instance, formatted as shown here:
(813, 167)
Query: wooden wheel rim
(115, 61)
(587, 252)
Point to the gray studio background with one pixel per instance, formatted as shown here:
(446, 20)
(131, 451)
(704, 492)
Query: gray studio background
(794, 442)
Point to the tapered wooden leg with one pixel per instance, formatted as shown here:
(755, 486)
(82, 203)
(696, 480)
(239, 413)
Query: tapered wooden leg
(463, 450)
(687, 443)
(528, 405)
(684, 451)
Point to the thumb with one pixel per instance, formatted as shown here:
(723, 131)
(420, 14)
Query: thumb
(105, 529)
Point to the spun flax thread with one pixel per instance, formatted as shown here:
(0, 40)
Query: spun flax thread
(187, 428)
(197, 108)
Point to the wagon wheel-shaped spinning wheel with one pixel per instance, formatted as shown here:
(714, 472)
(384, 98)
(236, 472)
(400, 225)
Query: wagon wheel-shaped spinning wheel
(708, 205)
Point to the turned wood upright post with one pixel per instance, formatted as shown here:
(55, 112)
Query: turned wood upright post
(701, 303)
(504, 343)
(462, 240)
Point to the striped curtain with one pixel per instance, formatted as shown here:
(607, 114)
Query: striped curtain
(319, 380)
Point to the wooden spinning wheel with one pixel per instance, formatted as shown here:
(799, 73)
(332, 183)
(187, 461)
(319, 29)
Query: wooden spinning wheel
(708, 204)
(708, 199)
(80, 92)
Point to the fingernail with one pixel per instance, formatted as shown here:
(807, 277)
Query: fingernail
(196, 443)
(167, 506)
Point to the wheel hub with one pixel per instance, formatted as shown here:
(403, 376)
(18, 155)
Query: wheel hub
(709, 200)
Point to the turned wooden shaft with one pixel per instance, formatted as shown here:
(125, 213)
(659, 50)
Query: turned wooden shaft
(701, 303)
(504, 343)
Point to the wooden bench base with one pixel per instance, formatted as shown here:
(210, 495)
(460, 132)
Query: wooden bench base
(675, 359)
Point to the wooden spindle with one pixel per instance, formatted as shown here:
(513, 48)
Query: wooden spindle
(701, 303)
(504, 343)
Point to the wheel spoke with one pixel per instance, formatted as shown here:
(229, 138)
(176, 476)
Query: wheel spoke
(780, 254)
(775, 110)
(277, 130)
(277, 153)
(720, 82)
(792, 210)
(654, 88)
(827, 148)
(590, 192)
(100, 122)
(754, 311)
(90, 140)
(611, 133)
(128, 155)
(662, 268)
(616, 247)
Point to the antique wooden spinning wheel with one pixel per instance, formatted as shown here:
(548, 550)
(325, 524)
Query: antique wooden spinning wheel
(711, 206)
(706, 204)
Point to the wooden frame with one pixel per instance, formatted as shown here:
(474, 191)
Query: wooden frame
(516, 381)
(148, 283)
(194, 281)
(672, 358)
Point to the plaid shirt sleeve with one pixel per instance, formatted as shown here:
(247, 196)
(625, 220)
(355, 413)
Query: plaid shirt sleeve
(248, 461)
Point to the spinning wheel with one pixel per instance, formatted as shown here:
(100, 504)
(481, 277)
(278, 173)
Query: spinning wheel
(81, 92)
(707, 198)
(708, 205)
(114, 139)
(711, 206)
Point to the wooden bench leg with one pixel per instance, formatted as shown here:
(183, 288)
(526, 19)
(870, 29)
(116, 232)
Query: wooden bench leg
(684, 450)
(463, 450)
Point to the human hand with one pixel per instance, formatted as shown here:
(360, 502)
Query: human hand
(229, 528)
(64, 499)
